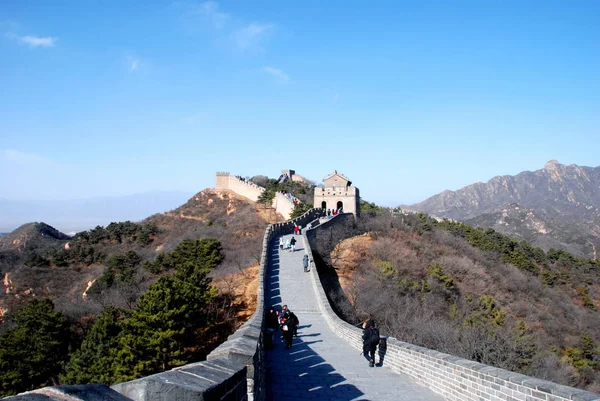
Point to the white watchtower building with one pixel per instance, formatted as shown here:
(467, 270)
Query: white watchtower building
(338, 192)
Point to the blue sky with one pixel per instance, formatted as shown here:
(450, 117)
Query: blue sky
(114, 97)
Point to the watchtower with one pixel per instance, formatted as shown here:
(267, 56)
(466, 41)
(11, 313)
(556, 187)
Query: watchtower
(338, 193)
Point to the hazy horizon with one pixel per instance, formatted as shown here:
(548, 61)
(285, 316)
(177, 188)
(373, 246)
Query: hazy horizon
(76, 215)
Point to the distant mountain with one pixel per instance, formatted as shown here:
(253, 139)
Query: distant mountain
(3, 234)
(77, 215)
(557, 206)
(32, 236)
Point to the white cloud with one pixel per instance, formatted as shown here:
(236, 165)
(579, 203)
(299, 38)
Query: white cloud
(250, 37)
(210, 11)
(133, 63)
(227, 28)
(34, 41)
(277, 73)
(21, 158)
(202, 15)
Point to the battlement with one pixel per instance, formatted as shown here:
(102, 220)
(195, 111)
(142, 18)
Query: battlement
(248, 189)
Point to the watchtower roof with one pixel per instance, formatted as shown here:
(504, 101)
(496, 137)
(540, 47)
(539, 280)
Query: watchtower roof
(341, 176)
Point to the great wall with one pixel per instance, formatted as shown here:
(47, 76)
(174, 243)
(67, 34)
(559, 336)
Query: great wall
(241, 368)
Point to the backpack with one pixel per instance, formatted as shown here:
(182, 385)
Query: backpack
(294, 319)
(373, 337)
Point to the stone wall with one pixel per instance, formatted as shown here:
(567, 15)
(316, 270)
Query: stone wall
(283, 205)
(330, 233)
(452, 377)
(226, 181)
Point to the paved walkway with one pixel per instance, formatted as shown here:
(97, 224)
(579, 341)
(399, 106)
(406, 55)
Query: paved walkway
(320, 365)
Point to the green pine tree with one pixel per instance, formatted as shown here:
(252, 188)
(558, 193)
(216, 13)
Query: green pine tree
(32, 352)
(93, 362)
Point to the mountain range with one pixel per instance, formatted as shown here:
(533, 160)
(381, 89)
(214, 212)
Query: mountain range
(557, 206)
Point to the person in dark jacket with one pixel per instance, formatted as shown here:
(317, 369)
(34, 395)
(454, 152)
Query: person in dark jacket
(287, 327)
(271, 326)
(370, 339)
(272, 319)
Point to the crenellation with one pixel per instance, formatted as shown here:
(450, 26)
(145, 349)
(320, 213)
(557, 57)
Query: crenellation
(248, 189)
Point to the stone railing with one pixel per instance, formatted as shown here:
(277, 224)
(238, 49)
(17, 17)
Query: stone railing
(452, 377)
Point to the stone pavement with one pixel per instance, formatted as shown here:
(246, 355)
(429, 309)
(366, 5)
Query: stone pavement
(321, 366)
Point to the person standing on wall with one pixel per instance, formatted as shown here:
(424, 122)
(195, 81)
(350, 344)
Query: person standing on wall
(288, 331)
(370, 339)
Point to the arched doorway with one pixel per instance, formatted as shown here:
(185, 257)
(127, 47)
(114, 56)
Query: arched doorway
(324, 205)
(340, 207)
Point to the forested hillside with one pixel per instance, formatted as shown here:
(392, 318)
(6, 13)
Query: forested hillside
(128, 299)
(473, 293)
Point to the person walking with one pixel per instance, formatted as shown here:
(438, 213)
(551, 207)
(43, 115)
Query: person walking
(295, 229)
(281, 243)
(293, 244)
(370, 339)
(305, 262)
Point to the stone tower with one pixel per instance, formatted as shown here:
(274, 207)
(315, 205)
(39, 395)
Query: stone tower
(337, 193)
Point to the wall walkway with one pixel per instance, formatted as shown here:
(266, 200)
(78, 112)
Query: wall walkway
(320, 366)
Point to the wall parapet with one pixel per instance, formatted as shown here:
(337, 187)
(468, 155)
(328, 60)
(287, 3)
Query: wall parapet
(227, 182)
(454, 378)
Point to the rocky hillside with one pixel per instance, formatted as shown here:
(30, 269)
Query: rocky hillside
(37, 260)
(471, 293)
(557, 206)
